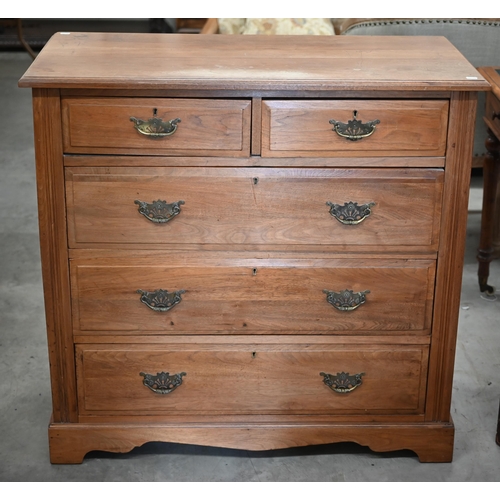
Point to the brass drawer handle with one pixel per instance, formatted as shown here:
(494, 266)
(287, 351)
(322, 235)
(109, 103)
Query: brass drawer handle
(350, 213)
(354, 129)
(346, 300)
(162, 382)
(161, 300)
(342, 382)
(159, 211)
(155, 128)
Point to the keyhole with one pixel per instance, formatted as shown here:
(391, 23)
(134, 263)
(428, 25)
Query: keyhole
(255, 180)
(254, 271)
(254, 354)
(155, 111)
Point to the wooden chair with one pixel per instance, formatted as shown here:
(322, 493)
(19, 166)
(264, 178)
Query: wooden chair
(18, 24)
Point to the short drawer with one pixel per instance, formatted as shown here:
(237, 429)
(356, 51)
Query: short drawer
(354, 128)
(251, 379)
(148, 126)
(351, 208)
(197, 293)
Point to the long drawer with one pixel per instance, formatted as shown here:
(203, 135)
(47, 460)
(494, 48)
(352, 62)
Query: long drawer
(209, 292)
(231, 206)
(251, 379)
(193, 127)
(354, 128)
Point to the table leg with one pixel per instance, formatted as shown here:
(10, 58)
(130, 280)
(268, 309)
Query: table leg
(491, 169)
(498, 429)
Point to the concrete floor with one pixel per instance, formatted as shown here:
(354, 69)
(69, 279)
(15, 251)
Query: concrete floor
(25, 404)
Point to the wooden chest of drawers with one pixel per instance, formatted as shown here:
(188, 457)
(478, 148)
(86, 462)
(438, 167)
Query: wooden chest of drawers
(252, 242)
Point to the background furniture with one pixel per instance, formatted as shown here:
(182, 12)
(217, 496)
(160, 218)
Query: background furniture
(189, 25)
(303, 26)
(498, 428)
(18, 24)
(477, 39)
(33, 34)
(489, 244)
(228, 253)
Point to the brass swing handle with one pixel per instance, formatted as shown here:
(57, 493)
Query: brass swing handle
(159, 211)
(346, 300)
(155, 128)
(342, 382)
(161, 300)
(162, 382)
(354, 130)
(350, 213)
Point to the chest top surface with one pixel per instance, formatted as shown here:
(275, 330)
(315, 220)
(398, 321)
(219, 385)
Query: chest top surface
(231, 62)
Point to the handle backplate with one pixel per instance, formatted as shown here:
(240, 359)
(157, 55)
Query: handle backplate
(155, 128)
(354, 130)
(346, 300)
(162, 382)
(342, 382)
(350, 213)
(161, 300)
(159, 211)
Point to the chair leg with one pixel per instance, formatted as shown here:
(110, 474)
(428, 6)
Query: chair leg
(24, 43)
(498, 429)
(491, 169)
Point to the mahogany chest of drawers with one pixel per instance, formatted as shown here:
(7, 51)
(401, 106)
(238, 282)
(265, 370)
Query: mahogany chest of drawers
(252, 242)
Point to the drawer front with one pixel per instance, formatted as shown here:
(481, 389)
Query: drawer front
(380, 128)
(251, 379)
(108, 126)
(199, 293)
(230, 206)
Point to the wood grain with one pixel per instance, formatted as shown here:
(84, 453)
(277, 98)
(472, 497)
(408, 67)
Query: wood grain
(302, 128)
(207, 127)
(54, 251)
(231, 207)
(256, 126)
(285, 379)
(215, 62)
(451, 255)
(431, 442)
(253, 161)
(251, 295)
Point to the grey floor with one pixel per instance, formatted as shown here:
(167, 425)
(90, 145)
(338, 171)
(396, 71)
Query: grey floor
(25, 404)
